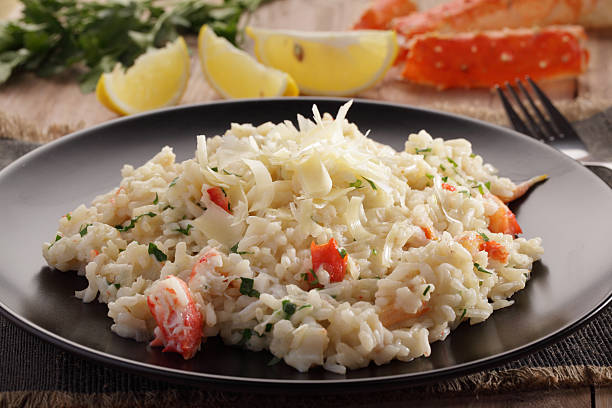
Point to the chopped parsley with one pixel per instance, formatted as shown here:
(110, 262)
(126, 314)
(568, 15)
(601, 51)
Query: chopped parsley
(156, 199)
(481, 269)
(168, 206)
(429, 176)
(57, 238)
(275, 360)
(472, 155)
(315, 280)
(173, 182)
(215, 169)
(184, 231)
(374, 251)
(479, 187)
(463, 314)
(488, 185)
(442, 167)
(342, 253)
(445, 179)
(480, 283)
(289, 308)
(246, 336)
(451, 161)
(83, 229)
(117, 285)
(357, 184)
(235, 250)
(484, 236)
(371, 183)
(246, 288)
(269, 327)
(155, 251)
(466, 192)
(304, 307)
(426, 290)
(134, 220)
(423, 150)
(68, 216)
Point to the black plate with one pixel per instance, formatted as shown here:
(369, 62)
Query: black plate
(571, 212)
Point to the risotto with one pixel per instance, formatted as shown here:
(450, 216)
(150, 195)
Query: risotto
(313, 242)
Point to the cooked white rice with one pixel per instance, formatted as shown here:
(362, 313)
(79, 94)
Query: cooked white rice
(288, 186)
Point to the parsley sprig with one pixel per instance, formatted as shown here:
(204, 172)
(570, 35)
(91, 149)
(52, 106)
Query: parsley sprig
(53, 36)
(246, 288)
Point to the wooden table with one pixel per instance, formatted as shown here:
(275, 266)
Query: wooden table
(35, 108)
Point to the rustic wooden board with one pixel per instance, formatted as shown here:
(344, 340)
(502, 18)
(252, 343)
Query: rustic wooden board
(38, 109)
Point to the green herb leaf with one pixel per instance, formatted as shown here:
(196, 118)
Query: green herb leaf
(134, 220)
(234, 250)
(463, 314)
(68, 216)
(484, 236)
(423, 150)
(374, 252)
(357, 184)
(289, 308)
(57, 238)
(445, 179)
(426, 290)
(246, 336)
(173, 182)
(429, 176)
(184, 231)
(159, 255)
(472, 155)
(156, 199)
(168, 206)
(442, 167)
(451, 161)
(117, 285)
(304, 307)
(342, 253)
(246, 288)
(269, 327)
(83, 229)
(371, 183)
(215, 169)
(481, 269)
(488, 185)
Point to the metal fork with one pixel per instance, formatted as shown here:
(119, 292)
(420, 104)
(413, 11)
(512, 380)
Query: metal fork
(554, 130)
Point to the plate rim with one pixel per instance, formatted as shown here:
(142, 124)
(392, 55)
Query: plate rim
(268, 384)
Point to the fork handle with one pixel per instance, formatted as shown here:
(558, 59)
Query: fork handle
(601, 169)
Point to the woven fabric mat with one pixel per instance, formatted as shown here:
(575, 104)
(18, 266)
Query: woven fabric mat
(36, 373)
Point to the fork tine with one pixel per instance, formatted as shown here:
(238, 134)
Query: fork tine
(536, 132)
(517, 123)
(550, 131)
(563, 126)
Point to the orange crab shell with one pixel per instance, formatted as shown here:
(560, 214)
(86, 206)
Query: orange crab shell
(380, 13)
(482, 60)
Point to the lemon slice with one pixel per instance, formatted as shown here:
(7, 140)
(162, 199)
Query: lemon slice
(158, 78)
(327, 63)
(236, 74)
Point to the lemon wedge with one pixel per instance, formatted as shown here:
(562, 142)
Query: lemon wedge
(235, 74)
(157, 79)
(327, 63)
